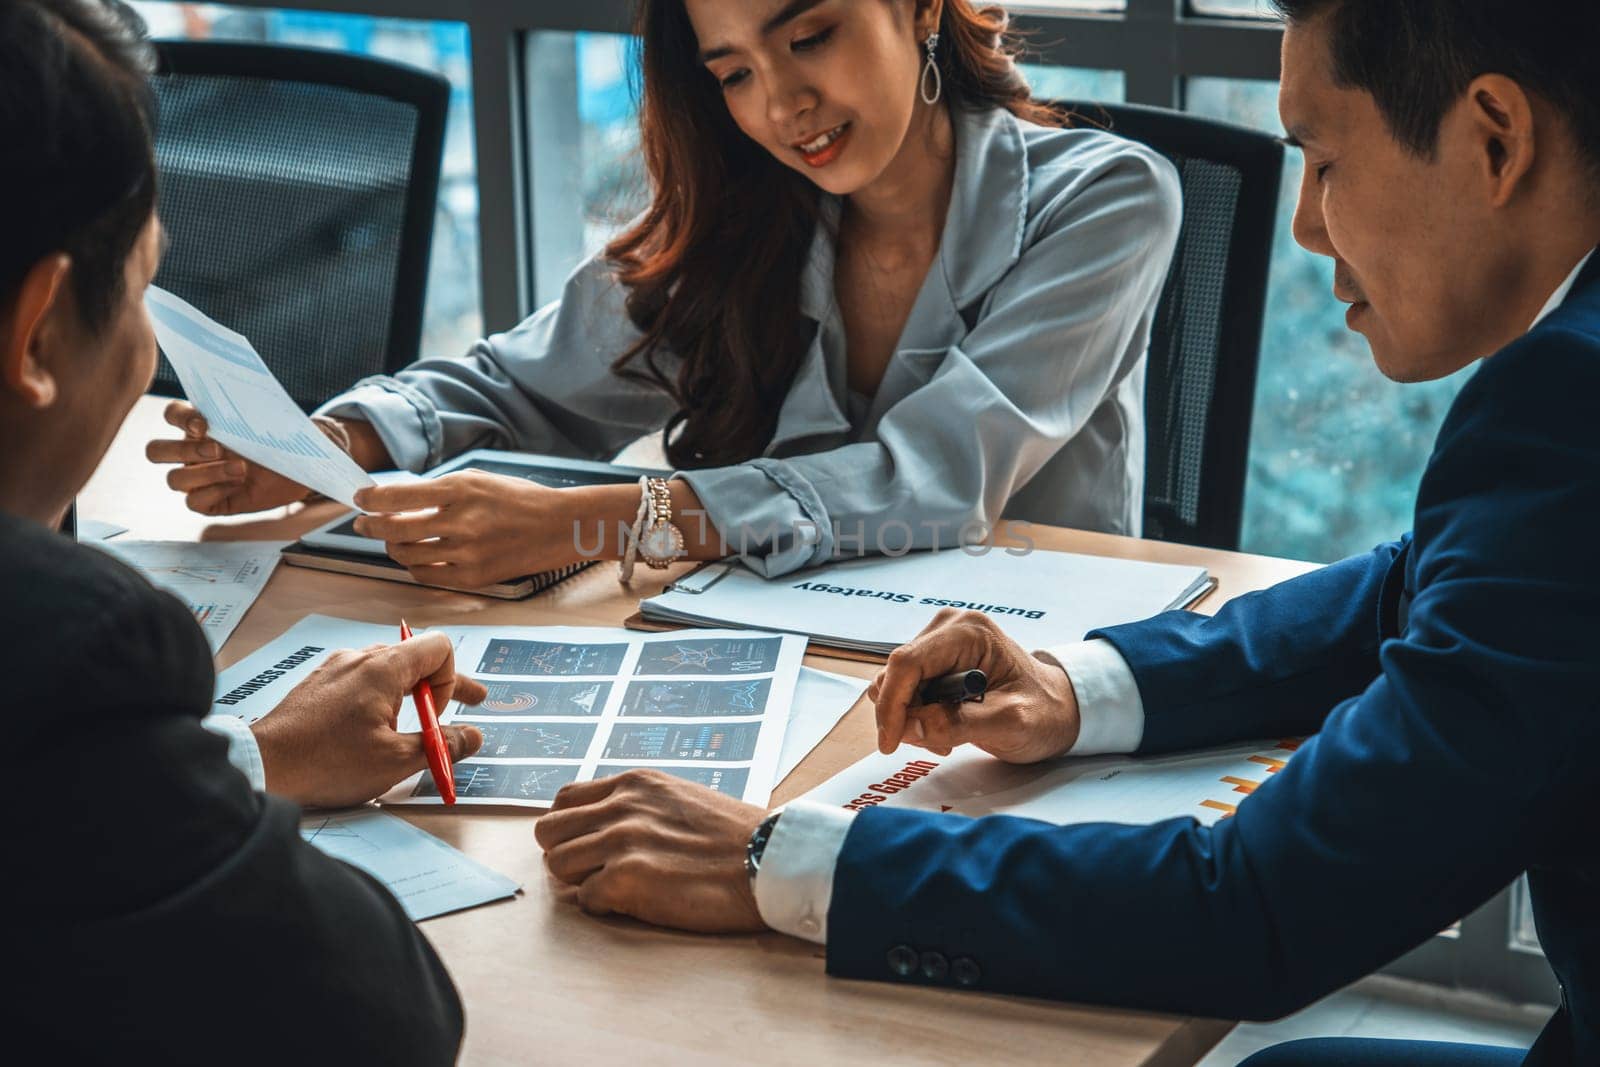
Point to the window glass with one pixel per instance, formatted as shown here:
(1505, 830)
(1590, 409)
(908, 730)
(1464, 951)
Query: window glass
(1336, 449)
(1237, 8)
(1078, 84)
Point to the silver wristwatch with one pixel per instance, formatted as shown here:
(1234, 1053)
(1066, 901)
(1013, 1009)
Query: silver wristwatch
(661, 543)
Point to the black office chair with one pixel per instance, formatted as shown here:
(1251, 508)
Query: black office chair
(1206, 342)
(298, 187)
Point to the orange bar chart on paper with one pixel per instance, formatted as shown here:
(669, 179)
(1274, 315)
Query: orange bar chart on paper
(1206, 785)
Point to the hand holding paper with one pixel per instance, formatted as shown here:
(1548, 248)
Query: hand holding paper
(215, 480)
(245, 407)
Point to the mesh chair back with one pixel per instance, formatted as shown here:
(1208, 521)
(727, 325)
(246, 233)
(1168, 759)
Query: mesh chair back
(1206, 341)
(298, 188)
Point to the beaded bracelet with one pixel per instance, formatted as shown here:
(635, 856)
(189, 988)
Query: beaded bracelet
(631, 553)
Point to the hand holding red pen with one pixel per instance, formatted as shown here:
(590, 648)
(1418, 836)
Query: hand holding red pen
(433, 743)
(333, 741)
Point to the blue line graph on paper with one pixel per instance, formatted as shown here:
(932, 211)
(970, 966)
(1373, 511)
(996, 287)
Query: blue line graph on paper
(228, 419)
(247, 408)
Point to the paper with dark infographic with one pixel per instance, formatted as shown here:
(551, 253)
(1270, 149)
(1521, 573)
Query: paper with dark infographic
(569, 704)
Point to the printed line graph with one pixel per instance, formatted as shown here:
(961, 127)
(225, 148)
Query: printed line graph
(502, 781)
(228, 419)
(194, 573)
(337, 838)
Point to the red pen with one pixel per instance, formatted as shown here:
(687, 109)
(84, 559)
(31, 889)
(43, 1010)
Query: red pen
(432, 740)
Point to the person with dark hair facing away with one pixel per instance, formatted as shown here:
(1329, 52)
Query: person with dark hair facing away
(160, 910)
(1449, 682)
(879, 301)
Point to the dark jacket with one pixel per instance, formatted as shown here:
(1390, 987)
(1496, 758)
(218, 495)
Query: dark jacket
(164, 912)
(1452, 685)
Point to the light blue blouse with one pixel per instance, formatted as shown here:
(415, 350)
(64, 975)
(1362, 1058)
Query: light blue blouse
(1016, 390)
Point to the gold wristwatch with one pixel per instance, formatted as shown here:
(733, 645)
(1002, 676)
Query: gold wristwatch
(661, 544)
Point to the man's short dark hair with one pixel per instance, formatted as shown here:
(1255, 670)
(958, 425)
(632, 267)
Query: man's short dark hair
(75, 120)
(1416, 57)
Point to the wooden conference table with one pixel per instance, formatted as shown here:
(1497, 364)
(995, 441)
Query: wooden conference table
(544, 983)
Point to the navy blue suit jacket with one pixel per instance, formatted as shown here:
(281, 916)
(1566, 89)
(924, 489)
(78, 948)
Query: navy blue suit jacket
(1452, 682)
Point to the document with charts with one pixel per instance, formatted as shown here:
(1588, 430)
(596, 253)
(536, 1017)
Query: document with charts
(246, 407)
(1207, 786)
(426, 876)
(218, 580)
(569, 704)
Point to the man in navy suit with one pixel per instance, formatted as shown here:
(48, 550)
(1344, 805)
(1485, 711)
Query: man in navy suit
(1450, 682)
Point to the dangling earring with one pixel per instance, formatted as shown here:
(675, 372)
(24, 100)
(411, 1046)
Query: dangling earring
(930, 72)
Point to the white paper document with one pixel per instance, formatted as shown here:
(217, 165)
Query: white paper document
(877, 604)
(246, 407)
(218, 580)
(569, 704)
(820, 701)
(426, 876)
(1207, 786)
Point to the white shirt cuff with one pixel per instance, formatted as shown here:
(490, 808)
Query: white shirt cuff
(795, 884)
(243, 752)
(1109, 706)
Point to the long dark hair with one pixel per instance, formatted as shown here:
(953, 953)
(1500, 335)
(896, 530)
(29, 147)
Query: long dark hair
(713, 266)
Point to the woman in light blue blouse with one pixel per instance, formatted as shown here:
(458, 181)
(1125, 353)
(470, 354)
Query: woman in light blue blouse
(879, 301)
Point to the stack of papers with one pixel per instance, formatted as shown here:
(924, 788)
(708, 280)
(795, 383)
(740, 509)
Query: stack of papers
(875, 605)
(218, 580)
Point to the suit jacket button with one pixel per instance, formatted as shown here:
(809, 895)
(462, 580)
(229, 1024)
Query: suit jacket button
(935, 968)
(964, 969)
(902, 961)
